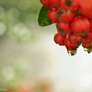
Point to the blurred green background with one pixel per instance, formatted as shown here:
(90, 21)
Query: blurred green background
(17, 17)
(21, 53)
(30, 61)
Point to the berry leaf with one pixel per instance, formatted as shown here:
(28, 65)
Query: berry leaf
(43, 19)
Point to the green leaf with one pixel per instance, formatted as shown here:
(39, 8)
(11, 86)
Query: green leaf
(43, 19)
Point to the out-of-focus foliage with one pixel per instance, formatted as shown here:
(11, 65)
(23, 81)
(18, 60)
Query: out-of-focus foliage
(19, 9)
(13, 71)
(16, 17)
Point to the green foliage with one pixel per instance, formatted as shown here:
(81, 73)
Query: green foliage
(43, 18)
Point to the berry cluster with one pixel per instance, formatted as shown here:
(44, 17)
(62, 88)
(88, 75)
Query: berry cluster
(73, 20)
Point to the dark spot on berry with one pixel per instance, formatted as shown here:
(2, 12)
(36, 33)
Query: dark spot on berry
(90, 41)
(59, 13)
(90, 47)
(83, 32)
(74, 47)
(68, 3)
(78, 43)
(61, 31)
(77, 13)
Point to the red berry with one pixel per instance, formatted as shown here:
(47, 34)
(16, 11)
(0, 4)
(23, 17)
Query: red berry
(69, 4)
(87, 46)
(85, 8)
(90, 27)
(75, 39)
(71, 49)
(86, 42)
(65, 15)
(80, 25)
(52, 14)
(45, 3)
(69, 46)
(59, 39)
(63, 28)
(54, 2)
(89, 36)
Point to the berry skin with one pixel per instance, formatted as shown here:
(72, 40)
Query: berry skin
(85, 8)
(65, 15)
(63, 28)
(71, 49)
(89, 35)
(80, 25)
(69, 4)
(52, 14)
(90, 26)
(75, 39)
(45, 3)
(54, 2)
(87, 46)
(86, 42)
(69, 46)
(59, 39)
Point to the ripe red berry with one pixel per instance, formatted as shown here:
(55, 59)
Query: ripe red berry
(69, 46)
(63, 28)
(45, 3)
(71, 49)
(90, 26)
(65, 15)
(54, 2)
(59, 39)
(52, 14)
(89, 35)
(85, 8)
(75, 39)
(86, 42)
(80, 25)
(69, 4)
(88, 48)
